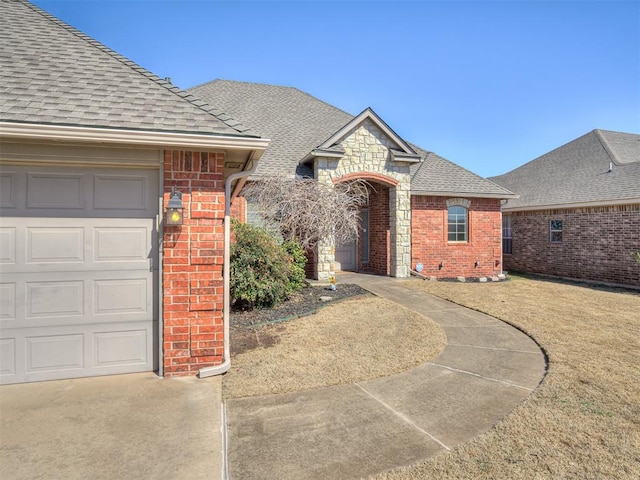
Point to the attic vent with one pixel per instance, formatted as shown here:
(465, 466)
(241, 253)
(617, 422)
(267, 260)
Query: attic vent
(167, 79)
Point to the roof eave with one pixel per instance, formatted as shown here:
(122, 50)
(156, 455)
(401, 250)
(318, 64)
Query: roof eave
(319, 152)
(39, 131)
(560, 206)
(464, 194)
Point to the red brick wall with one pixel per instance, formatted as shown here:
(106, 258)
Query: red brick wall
(596, 244)
(239, 209)
(379, 232)
(192, 264)
(430, 247)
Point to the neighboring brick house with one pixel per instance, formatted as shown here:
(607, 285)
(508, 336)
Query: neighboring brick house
(424, 211)
(578, 211)
(91, 146)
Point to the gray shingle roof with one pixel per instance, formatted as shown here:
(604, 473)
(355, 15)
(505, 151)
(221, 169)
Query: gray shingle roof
(297, 123)
(578, 172)
(437, 175)
(51, 73)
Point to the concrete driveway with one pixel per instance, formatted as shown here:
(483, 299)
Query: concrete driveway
(135, 426)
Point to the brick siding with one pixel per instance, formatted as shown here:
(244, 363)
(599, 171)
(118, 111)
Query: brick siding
(596, 244)
(192, 264)
(430, 247)
(379, 232)
(239, 209)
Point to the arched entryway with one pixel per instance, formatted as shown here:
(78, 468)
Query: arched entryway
(371, 251)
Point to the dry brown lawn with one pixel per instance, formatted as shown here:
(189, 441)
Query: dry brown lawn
(351, 341)
(583, 422)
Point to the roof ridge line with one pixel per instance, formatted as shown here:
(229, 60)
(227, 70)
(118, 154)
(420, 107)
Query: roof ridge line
(614, 158)
(276, 86)
(326, 103)
(195, 101)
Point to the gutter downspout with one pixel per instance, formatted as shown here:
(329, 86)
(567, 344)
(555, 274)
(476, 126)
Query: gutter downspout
(226, 365)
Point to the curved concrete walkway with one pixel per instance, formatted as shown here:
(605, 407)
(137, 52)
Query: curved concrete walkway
(352, 431)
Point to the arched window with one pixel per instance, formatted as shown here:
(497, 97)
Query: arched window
(458, 223)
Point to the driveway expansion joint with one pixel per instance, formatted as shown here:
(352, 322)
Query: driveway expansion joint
(477, 375)
(403, 417)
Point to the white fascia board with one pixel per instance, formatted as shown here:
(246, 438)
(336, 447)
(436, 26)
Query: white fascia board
(464, 194)
(315, 153)
(562, 206)
(130, 137)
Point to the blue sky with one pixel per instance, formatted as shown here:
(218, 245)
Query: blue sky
(489, 85)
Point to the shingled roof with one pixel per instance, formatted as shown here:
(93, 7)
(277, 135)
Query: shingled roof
(601, 167)
(51, 73)
(297, 123)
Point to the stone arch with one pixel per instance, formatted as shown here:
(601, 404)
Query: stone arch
(372, 176)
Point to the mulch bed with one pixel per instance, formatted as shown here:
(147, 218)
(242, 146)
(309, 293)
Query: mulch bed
(259, 327)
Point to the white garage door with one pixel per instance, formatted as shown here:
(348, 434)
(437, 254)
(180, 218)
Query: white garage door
(78, 268)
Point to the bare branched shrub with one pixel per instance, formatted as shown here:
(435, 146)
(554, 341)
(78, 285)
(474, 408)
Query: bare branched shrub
(307, 211)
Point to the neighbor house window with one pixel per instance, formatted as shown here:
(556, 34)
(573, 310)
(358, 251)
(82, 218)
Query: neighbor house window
(555, 231)
(457, 223)
(507, 235)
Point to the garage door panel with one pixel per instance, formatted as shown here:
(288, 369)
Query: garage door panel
(69, 244)
(54, 299)
(122, 244)
(55, 191)
(7, 302)
(54, 353)
(8, 187)
(54, 245)
(121, 192)
(7, 245)
(122, 296)
(48, 353)
(84, 297)
(77, 251)
(126, 347)
(7, 357)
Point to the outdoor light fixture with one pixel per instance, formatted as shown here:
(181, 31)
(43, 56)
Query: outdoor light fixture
(174, 214)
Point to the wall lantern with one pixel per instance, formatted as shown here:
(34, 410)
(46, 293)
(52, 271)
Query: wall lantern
(174, 214)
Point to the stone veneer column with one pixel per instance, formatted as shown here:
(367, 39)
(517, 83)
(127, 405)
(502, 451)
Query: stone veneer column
(193, 256)
(400, 226)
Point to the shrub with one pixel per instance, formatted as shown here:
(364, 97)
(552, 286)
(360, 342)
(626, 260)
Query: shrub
(263, 273)
(298, 258)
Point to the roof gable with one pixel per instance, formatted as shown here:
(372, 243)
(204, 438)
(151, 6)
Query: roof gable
(404, 153)
(54, 74)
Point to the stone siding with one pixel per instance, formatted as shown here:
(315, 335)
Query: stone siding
(192, 264)
(367, 156)
(596, 244)
(480, 256)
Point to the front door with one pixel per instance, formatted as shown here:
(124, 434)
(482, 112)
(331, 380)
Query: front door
(346, 256)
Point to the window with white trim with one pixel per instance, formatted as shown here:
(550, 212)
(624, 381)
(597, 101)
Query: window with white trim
(457, 223)
(555, 231)
(507, 235)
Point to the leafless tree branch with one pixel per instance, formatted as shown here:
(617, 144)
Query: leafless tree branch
(308, 211)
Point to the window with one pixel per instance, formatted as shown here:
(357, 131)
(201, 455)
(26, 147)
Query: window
(457, 223)
(555, 231)
(507, 235)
